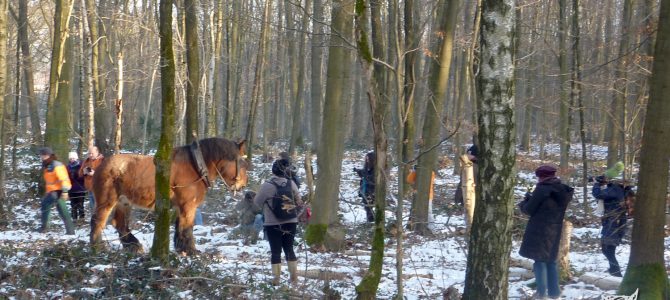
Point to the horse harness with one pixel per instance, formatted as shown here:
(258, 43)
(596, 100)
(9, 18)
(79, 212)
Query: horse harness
(200, 166)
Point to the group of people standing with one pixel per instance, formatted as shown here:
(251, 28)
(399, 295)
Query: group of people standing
(546, 206)
(67, 182)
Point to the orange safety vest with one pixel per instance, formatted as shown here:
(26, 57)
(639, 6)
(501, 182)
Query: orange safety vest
(56, 177)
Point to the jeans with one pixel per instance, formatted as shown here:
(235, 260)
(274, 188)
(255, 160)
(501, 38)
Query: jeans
(91, 202)
(281, 237)
(546, 278)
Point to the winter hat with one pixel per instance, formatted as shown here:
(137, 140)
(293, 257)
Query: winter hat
(279, 167)
(614, 171)
(545, 171)
(72, 155)
(46, 151)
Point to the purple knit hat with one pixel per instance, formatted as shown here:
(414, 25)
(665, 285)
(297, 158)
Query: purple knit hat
(545, 171)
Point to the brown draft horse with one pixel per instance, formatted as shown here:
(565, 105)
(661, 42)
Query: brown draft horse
(126, 180)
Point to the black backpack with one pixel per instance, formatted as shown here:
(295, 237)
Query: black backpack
(283, 202)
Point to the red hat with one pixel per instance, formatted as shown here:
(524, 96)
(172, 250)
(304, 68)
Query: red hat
(545, 171)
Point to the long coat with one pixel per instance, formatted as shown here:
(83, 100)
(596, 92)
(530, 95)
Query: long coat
(614, 217)
(546, 207)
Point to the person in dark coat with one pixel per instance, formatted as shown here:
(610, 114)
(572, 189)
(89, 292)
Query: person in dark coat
(546, 207)
(613, 194)
(78, 190)
(367, 184)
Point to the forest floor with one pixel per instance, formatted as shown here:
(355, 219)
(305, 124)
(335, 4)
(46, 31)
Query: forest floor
(58, 266)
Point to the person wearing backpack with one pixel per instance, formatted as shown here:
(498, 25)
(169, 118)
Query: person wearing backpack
(279, 198)
(546, 207)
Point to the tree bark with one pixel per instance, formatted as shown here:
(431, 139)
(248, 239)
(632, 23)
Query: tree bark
(490, 239)
(58, 113)
(28, 74)
(296, 126)
(193, 69)
(330, 154)
(318, 44)
(257, 92)
(468, 189)
(438, 82)
(161, 242)
(564, 111)
(3, 84)
(374, 75)
(646, 265)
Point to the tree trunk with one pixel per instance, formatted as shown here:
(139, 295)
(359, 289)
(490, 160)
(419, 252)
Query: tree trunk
(257, 92)
(330, 154)
(28, 74)
(161, 242)
(118, 105)
(217, 84)
(58, 113)
(577, 93)
(97, 71)
(490, 238)
(3, 84)
(468, 189)
(646, 265)
(318, 44)
(193, 65)
(296, 125)
(565, 273)
(373, 75)
(564, 112)
(438, 82)
(86, 78)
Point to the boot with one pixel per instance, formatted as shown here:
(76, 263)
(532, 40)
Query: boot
(293, 270)
(276, 274)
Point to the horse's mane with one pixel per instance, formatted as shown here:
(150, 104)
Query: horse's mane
(213, 149)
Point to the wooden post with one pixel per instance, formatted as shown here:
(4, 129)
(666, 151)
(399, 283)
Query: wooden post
(564, 250)
(468, 188)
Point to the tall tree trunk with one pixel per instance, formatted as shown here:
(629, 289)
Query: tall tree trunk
(296, 126)
(620, 86)
(87, 92)
(564, 111)
(97, 71)
(58, 113)
(257, 92)
(213, 127)
(318, 44)
(490, 239)
(373, 75)
(161, 242)
(3, 83)
(118, 104)
(438, 82)
(646, 265)
(28, 74)
(577, 93)
(193, 65)
(330, 153)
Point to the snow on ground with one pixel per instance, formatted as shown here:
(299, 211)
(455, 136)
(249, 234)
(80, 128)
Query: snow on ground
(431, 264)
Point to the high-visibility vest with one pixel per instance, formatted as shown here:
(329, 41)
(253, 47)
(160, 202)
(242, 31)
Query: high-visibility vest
(56, 177)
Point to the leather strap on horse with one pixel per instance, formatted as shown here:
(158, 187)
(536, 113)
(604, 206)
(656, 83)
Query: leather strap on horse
(199, 163)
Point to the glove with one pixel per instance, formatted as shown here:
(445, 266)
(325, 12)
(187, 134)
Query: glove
(601, 179)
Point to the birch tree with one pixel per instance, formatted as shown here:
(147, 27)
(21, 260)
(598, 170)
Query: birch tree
(490, 239)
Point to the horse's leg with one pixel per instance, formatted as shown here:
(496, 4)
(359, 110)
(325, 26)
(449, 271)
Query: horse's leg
(183, 235)
(99, 219)
(121, 222)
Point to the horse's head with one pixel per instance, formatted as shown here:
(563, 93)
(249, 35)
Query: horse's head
(234, 173)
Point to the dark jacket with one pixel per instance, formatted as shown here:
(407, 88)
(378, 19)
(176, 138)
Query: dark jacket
(76, 180)
(546, 207)
(367, 183)
(614, 216)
